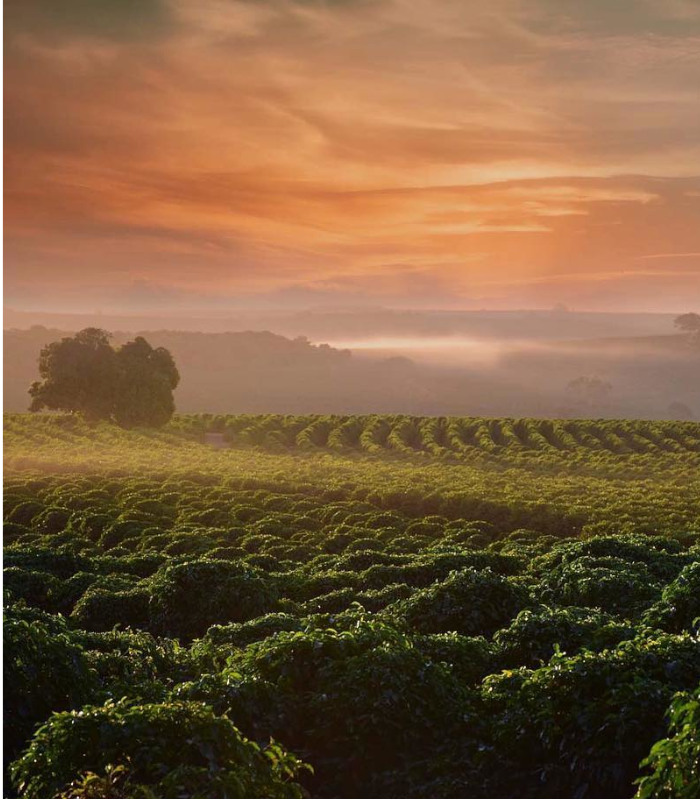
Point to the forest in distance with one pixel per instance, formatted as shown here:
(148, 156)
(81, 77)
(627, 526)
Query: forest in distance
(509, 364)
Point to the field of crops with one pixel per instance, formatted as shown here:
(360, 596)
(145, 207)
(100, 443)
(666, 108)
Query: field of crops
(455, 436)
(351, 607)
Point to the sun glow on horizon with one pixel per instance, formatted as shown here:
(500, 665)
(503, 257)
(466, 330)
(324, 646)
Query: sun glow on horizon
(440, 155)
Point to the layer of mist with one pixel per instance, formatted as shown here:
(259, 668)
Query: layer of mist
(531, 374)
(327, 325)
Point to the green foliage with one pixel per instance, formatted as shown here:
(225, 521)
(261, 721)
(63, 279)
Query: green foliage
(37, 588)
(354, 588)
(78, 373)
(116, 783)
(147, 379)
(43, 670)
(364, 701)
(675, 761)
(470, 659)
(469, 602)
(580, 725)
(663, 556)
(175, 749)
(239, 635)
(611, 584)
(100, 609)
(84, 374)
(679, 606)
(187, 598)
(135, 664)
(554, 491)
(536, 634)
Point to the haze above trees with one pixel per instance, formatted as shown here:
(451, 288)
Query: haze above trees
(653, 376)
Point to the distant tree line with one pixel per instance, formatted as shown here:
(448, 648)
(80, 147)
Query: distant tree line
(261, 372)
(688, 322)
(132, 385)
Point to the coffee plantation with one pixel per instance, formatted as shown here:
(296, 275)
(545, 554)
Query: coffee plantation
(367, 606)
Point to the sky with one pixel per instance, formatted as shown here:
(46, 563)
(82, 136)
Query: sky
(212, 154)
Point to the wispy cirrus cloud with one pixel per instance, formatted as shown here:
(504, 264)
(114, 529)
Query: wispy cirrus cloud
(247, 146)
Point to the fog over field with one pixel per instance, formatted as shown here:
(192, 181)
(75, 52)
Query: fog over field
(519, 363)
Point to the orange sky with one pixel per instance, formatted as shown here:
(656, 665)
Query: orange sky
(416, 153)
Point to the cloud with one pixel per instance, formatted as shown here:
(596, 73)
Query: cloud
(121, 20)
(664, 255)
(252, 146)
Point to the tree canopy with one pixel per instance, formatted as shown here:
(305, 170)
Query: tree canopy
(133, 385)
(590, 390)
(688, 322)
(147, 377)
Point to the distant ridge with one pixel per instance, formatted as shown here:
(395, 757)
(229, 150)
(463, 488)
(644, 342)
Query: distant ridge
(327, 325)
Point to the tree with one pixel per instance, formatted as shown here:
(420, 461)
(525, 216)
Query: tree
(84, 374)
(590, 390)
(147, 378)
(79, 374)
(688, 322)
